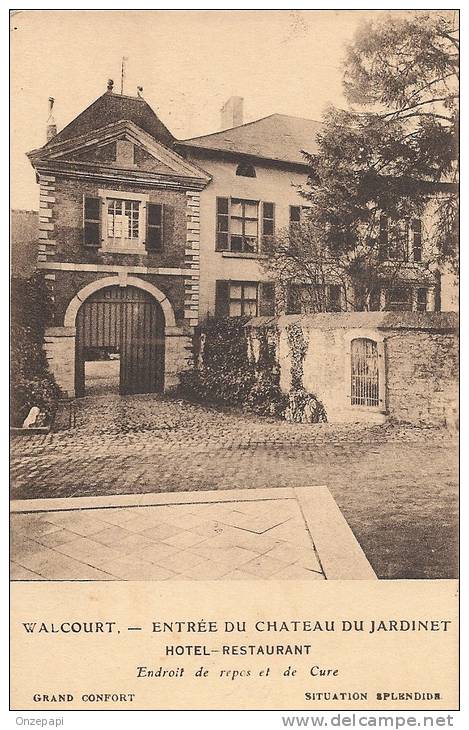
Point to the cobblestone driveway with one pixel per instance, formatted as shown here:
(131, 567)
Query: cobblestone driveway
(396, 487)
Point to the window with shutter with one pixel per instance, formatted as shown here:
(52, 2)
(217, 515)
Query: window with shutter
(154, 240)
(91, 221)
(236, 298)
(237, 225)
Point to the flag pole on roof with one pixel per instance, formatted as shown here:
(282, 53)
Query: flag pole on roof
(124, 60)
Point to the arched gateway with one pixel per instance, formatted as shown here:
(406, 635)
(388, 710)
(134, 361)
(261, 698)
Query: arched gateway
(123, 319)
(127, 321)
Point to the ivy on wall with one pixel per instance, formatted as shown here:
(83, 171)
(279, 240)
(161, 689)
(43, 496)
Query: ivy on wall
(235, 367)
(303, 407)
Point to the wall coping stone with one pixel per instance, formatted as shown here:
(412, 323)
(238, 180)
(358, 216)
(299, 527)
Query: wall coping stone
(436, 321)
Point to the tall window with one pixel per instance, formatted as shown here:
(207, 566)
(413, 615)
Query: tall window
(244, 298)
(399, 299)
(125, 225)
(364, 373)
(400, 241)
(238, 224)
(123, 219)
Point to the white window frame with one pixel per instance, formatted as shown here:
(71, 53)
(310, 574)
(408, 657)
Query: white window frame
(132, 246)
(242, 299)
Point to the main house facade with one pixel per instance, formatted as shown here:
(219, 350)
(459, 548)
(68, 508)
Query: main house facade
(142, 236)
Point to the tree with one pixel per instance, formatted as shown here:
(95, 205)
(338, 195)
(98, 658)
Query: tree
(391, 153)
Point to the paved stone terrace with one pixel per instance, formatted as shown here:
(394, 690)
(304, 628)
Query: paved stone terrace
(234, 541)
(397, 487)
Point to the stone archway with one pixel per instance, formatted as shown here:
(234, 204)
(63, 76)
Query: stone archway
(60, 342)
(120, 342)
(121, 281)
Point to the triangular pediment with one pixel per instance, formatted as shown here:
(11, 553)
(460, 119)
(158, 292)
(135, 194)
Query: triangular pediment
(120, 146)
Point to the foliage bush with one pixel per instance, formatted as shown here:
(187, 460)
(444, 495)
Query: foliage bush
(31, 382)
(226, 374)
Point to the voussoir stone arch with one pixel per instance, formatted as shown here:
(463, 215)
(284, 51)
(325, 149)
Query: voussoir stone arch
(87, 291)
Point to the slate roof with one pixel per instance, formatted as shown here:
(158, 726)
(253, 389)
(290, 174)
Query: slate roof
(110, 108)
(276, 137)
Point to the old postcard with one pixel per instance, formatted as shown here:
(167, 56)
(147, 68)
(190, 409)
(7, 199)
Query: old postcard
(234, 394)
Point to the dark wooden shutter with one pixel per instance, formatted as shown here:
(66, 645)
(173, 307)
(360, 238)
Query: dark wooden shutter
(268, 226)
(222, 298)
(168, 227)
(334, 298)
(91, 221)
(416, 232)
(266, 299)
(223, 225)
(154, 237)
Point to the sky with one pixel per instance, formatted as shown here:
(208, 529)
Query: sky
(189, 63)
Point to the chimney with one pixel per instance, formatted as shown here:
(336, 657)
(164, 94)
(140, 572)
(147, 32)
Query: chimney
(232, 112)
(51, 123)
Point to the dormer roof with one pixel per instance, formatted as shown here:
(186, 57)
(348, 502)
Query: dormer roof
(110, 108)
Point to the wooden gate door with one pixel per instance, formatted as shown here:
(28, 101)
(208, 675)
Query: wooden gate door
(129, 320)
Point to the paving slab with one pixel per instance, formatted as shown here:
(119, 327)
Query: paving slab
(256, 534)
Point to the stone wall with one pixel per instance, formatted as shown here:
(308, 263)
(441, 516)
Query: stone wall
(69, 283)
(59, 345)
(422, 376)
(417, 363)
(66, 217)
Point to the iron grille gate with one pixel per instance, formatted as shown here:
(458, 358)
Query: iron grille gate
(130, 321)
(365, 375)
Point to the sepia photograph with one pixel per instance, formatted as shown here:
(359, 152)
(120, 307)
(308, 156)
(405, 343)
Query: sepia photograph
(234, 299)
